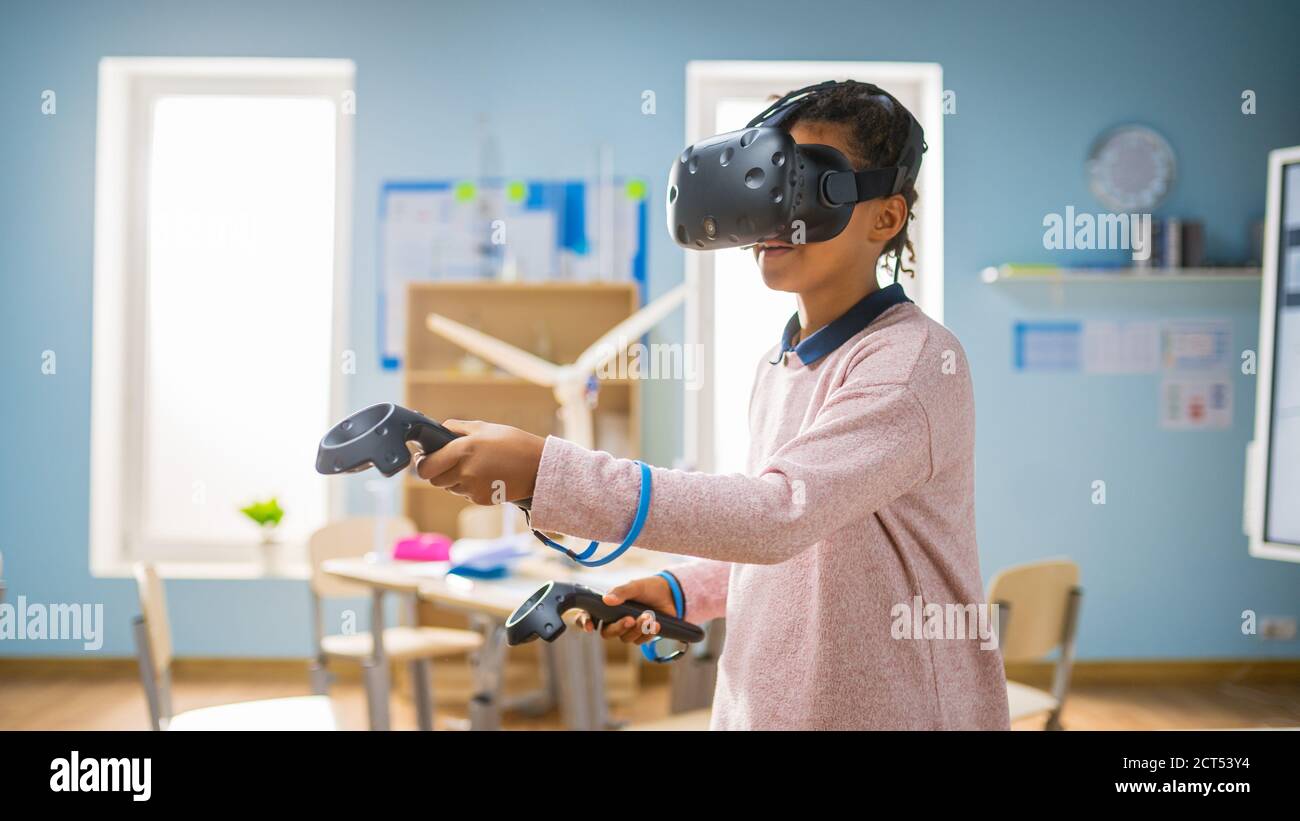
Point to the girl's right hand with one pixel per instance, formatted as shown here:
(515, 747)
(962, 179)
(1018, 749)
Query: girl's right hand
(652, 591)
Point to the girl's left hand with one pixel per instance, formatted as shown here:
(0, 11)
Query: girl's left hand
(488, 464)
(652, 591)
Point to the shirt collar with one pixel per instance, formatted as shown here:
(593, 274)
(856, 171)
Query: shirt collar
(841, 329)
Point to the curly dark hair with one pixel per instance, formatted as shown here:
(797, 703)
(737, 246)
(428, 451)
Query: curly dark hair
(878, 127)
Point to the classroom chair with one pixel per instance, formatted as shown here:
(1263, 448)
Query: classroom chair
(418, 646)
(1038, 612)
(153, 641)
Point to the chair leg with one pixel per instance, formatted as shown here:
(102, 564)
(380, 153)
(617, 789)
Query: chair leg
(320, 678)
(1065, 665)
(422, 683)
(148, 676)
(375, 676)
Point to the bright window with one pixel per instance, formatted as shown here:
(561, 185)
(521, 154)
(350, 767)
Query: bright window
(215, 343)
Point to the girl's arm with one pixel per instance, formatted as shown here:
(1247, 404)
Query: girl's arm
(869, 445)
(704, 588)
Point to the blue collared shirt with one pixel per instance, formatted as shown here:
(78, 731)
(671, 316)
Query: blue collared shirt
(841, 329)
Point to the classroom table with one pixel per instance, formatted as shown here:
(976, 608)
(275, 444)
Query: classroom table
(575, 662)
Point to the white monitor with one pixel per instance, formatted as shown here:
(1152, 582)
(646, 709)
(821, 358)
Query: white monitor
(1272, 513)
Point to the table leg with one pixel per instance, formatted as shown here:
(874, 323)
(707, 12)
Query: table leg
(376, 667)
(485, 706)
(422, 682)
(580, 662)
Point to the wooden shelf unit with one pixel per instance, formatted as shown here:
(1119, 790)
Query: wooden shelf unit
(554, 320)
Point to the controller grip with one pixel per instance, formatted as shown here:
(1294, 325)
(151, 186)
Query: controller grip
(431, 435)
(670, 627)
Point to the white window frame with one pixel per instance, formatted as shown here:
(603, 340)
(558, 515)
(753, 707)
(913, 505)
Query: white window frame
(128, 89)
(710, 81)
(1258, 451)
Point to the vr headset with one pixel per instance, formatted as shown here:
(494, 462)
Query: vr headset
(757, 184)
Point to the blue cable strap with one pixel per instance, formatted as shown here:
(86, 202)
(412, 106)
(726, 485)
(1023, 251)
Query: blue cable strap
(642, 511)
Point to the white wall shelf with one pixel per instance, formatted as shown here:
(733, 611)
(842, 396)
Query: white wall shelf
(1008, 273)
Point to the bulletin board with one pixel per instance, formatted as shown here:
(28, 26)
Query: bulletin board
(510, 230)
(1193, 359)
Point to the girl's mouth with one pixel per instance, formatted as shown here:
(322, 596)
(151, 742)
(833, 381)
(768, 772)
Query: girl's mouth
(773, 250)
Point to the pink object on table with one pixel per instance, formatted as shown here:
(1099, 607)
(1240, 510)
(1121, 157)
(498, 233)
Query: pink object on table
(423, 547)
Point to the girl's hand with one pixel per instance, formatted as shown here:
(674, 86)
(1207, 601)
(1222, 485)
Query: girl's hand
(651, 591)
(489, 464)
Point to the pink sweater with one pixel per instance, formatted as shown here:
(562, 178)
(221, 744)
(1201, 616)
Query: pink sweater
(859, 497)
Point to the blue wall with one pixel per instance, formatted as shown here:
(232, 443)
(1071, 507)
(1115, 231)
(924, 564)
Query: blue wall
(1164, 562)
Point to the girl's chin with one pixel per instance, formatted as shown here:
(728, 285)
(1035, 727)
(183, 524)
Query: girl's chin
(779, 269)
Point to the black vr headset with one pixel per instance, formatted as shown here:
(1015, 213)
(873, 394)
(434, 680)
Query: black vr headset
(758, 184)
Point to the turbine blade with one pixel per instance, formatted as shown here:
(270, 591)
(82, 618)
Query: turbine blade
(513, 360)
(628, 331)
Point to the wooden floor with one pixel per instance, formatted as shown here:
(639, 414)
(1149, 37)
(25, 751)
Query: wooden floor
(53, 701)
(1178, 707)
(61, 701)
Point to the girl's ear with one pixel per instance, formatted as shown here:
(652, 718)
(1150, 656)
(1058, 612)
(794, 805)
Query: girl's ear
(890, 217)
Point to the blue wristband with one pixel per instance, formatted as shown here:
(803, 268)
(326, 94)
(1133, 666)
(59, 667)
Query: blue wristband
(642, 512)
(679, 602)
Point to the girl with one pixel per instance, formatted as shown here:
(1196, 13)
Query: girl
(859, 502)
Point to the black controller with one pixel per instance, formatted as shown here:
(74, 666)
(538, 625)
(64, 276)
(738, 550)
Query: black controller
(377, 437)
(539, 617)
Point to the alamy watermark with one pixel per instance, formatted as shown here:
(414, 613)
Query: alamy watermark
(32, 621)
(1098, 232)
(676, 361)
(126, 775)
(917, 620)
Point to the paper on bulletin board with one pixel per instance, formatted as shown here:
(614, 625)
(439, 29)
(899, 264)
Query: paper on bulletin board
(1196, 402)
(1111, 347)
(519, 230)
(530, 246)
(1196, 392)
(1196, 344)
(1047, 346)
(1094, 346)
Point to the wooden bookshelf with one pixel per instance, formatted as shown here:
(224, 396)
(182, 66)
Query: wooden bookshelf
(554, 320)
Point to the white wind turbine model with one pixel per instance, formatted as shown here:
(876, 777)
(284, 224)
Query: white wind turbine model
(569, 382)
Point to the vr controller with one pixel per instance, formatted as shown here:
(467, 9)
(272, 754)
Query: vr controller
(540, 616)
(376, 437)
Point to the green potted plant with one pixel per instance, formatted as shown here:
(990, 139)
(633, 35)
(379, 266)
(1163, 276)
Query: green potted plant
(267, 516)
